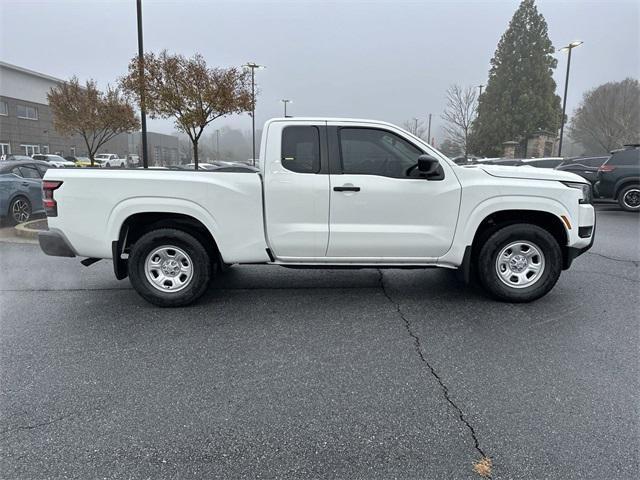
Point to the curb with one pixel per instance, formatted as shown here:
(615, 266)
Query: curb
(31, 229)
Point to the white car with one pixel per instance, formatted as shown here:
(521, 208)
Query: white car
(110, 160)
(55, 160)
(331, 193)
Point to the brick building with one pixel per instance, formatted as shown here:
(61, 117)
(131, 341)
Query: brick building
(26, 123)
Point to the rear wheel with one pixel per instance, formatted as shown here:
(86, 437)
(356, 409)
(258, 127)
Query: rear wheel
(519, 263)
(108, 165)
(629, 198)
(20, 210)
(169, 268)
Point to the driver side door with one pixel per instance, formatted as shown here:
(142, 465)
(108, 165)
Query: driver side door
(380, 209)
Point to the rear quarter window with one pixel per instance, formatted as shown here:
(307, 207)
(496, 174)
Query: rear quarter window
(626, 157)
(301, 149)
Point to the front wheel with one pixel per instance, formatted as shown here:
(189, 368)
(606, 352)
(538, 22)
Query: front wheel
(629, 198)
(169, 267)
(519, 263)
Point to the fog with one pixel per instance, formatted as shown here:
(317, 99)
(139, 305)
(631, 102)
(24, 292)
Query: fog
(389, 60)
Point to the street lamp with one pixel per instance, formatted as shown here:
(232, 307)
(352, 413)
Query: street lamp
(285, 101)
(568, 48)
(253, 66)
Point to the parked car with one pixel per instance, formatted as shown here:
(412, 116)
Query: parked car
(109, 160)
(12, 157)
(544, 162)
(80, 161)
(21, 189)
(331, 194)
(54, 160)
(619, 178)
(586, 167)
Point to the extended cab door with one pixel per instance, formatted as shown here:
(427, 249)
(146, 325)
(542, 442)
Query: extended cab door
(380, 210)
(296, 189)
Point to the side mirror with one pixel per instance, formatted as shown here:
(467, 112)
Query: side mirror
(427, 165)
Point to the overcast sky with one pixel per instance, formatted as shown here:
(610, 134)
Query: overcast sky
(388, 60)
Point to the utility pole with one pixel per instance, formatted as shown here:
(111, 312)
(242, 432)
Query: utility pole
(253, 66)
(568, 48)
(143, 115)
(415, 126)
(429, 130)
(480, 87)
(218, 144)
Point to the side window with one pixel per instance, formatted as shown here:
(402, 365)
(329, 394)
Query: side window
(595, 162)
(626, 157)
(29, 172)
(42, 168)
(16, 171)
(368, 151)
(301, 149)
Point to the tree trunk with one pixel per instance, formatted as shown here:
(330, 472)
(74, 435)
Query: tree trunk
(195, 152)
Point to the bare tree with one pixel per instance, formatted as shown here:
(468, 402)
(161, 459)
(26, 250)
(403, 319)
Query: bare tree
(96, 116)
(608, 117)
(449, 148)
(187, 89)
(459, 114)
(417, 127)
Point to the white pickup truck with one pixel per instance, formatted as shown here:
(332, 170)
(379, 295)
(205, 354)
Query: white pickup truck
(110, 160)
(329, 193)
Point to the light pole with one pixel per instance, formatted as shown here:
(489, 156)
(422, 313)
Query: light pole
(143, 115)
(568, 48)
(429, 131)
(285, 101)
(253, 66)
(218, 144)
(415, 126)
(480, 87)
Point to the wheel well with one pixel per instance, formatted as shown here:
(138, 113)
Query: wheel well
(140, 223)
(624, 184)
(497, 220)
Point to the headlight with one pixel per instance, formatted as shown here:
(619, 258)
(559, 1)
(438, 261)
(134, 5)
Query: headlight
(587, 194)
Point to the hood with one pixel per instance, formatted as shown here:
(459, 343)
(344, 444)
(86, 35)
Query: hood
(531, 173)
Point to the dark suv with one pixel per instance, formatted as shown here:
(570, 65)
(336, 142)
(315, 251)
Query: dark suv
(619, 178)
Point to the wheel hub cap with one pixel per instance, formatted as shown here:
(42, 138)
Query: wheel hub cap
(520, 264)
(632, 198)
(168, 268)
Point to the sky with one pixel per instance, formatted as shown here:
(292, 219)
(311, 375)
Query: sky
(383, 59)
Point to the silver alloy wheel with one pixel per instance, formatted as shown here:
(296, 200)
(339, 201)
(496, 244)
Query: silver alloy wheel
(520, 264)
(20, 211)
(168, 269)
(632, 198)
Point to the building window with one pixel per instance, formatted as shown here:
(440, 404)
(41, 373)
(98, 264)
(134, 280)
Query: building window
(4, 108)
(73, 151)
(27, 111)
(5, 149)
(45, 149)
(30, 149)
(156, 155)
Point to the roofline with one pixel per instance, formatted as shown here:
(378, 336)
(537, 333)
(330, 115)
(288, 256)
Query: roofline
(30, 72)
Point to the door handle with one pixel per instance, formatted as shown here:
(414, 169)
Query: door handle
(346, 189)
(25, 184)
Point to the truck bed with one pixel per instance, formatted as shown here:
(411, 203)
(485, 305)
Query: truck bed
(93, 205)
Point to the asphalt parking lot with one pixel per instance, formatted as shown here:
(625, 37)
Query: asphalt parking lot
(283, 373)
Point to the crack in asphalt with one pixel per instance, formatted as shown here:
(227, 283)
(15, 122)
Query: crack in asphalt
(418, 347)
(37, 425)
(615, 259)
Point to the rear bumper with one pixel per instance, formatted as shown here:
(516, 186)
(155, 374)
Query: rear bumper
(53, 242)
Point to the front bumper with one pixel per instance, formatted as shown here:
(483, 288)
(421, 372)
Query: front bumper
(53, 242)
(574, 252)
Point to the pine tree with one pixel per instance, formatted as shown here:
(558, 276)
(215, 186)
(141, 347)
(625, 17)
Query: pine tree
(520, 97)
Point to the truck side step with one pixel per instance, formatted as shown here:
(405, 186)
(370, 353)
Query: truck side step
(87, 262)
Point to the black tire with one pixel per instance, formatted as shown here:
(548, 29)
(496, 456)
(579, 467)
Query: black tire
(550, 263)
(107, 165)
(629, 198)
(168, 237)
(18, 209)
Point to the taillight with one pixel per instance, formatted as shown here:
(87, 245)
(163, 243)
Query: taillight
(50, 205)
(606, 168)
